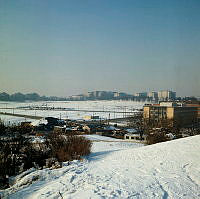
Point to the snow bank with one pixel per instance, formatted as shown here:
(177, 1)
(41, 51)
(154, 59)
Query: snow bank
(101, 138)
(121, 170)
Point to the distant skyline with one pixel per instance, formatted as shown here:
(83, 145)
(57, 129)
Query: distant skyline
(61, 48)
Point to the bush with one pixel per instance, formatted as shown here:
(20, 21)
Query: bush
(23, 128)
(156, 138)
(68, 147)
(2, 127)
(18, 154)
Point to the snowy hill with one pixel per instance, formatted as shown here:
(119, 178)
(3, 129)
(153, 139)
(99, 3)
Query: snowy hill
(120, 170)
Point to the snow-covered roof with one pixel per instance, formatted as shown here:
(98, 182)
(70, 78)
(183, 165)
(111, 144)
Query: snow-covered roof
(133, 135)
(38, 122)
(112, 128)
(38, 139)
(131, 130)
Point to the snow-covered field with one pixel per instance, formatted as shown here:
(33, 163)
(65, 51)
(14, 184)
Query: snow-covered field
(123, 106)
(120, 170)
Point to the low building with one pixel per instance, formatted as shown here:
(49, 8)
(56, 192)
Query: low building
(136, 137)
(59, 129)
(91, 117)
(169, 104)
(89, 128)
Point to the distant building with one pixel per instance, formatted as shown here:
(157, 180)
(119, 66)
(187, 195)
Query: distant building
(144, 94)
(91, 117)
(166, 95)
(99, 95)
(77, 97)
(119, 95)
(153, 95)
(89, 95)
(116, 94)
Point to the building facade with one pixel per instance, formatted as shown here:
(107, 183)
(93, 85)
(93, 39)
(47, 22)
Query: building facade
(153, 95)
(144, 94)
(177, 115)
(166, 95)
(135, 137)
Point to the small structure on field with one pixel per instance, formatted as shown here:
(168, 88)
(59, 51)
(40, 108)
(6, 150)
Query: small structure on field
(135, 137)
(91, 117)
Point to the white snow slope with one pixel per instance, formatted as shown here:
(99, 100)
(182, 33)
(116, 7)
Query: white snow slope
(121, 170)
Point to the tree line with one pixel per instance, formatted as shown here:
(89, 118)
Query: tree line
(20, 97)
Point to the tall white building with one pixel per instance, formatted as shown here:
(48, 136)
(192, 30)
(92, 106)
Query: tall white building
(153, 95)
(166, 95)
(144, 94)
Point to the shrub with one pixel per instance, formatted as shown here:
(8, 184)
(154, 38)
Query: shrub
(68, 147)
(2, 127)
(18, 154)
(23, 128)
(156, 138)
(10, 158)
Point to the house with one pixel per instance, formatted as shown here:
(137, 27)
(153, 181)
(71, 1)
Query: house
(26, 123)
(52, 121)
(107, 130)
(91, 117)
(89, 128)
(135, 137)
(59, 129)
(132, 131)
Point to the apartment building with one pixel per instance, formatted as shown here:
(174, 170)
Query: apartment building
(166, 95)
(144, 94)
(177, 114)
(153, 95)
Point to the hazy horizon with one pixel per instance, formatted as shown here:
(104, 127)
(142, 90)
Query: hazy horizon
(42, 94)
(71, 47)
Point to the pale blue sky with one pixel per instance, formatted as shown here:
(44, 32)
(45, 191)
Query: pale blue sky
(70, 47)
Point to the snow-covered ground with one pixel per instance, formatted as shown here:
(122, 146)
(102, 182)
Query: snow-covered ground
(115, 106)
(120, 170)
